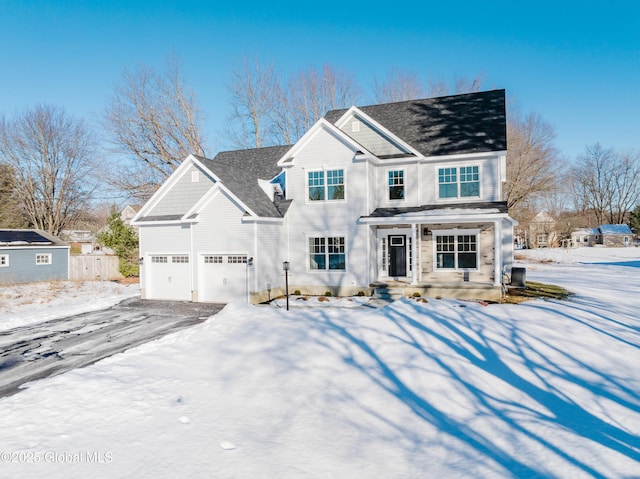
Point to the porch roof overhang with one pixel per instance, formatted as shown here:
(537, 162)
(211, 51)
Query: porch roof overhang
(454, 213)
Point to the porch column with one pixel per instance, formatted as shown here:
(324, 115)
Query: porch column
(497, 253)
(414, 255)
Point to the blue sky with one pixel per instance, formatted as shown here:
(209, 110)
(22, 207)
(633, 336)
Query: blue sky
(575, 63)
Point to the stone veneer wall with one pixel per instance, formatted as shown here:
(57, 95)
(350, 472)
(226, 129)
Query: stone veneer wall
(485, 272)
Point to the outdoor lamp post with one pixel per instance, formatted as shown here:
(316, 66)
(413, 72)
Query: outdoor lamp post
(285, 267)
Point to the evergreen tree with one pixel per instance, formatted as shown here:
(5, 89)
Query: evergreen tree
(123, 240)
(634, 220)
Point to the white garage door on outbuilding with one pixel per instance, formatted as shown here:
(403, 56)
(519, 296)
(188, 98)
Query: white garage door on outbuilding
(168, 277)
(222, 278)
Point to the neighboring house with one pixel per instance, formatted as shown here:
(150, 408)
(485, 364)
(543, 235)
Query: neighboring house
(584, 237)
(28, 255)
(405, 193)
(615, 235)
(128, 213)
(85, 240)
(543, 232)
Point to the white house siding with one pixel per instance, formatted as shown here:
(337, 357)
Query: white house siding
(271, 251)
(411, 185)
(489, 179)
(220, 230)
(507, 244)
(372, 197)
(161, 239)
(184, 194)
(330, 218)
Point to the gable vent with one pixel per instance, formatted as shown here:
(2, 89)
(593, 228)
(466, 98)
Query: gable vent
(195, 176)
(355, 126)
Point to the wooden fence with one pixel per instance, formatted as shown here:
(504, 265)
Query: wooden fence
(93, 267)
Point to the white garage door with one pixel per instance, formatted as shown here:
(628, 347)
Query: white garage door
(168, 277)
(222, 278)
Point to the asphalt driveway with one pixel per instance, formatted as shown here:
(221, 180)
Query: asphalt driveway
(41, 350)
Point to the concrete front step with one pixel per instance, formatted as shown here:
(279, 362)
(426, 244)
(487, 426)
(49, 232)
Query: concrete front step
(470, 291)
(387, 295)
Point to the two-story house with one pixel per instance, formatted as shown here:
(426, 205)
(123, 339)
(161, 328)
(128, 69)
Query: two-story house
(405, 194)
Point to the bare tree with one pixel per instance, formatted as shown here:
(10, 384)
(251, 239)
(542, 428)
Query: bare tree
(267, 110)
(532, 160)
(607, 183)
(51, 156)
(154, 121)
(398, 86)
(461, 84)
(313, 92)
(255, 91)
(404, 85)
(465, 85)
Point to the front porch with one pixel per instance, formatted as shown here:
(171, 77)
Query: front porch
(453, 290)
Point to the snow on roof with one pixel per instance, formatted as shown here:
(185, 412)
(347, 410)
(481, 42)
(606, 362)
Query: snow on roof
(615, 229)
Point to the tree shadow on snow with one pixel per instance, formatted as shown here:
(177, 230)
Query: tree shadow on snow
(471, 339)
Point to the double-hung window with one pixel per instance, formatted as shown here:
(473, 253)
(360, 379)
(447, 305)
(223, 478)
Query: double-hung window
(459, 182)
(325, 185)
(327, 253)
(456, 251)
(396, 184)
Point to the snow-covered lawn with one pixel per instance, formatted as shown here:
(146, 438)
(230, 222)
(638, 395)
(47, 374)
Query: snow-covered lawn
(442, 389)
(25, 304)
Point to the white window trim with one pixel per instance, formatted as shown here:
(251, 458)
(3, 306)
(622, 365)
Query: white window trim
(326, 236)
(404, 184)
(455, 232)
(457, 167)
(48, 262)
(326, 186)
(5, 263)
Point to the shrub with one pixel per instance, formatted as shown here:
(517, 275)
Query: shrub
(416, 295)
(327, 293)
(297, 292)
(360, 293)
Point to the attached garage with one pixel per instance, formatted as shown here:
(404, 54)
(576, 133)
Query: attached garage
(168, 277)
(222, 278)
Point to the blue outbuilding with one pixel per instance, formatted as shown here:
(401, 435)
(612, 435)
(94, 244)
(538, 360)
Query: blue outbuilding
(30, 255)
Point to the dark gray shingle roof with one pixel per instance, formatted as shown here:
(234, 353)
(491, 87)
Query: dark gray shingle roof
(500, 206)
(240, 170)
(457, 124)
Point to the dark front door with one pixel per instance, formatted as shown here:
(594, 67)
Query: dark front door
(397, 255)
